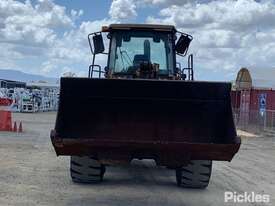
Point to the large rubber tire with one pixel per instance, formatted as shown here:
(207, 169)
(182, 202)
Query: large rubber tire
(195, 175)
(86, 170)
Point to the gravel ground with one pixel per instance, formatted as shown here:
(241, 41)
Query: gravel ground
(31, 174)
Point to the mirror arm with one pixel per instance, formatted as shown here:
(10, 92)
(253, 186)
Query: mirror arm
(90, 44)
(89, 40)
(190, 36)
(182, 55)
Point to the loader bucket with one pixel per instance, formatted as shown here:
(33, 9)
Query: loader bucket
(163, 118)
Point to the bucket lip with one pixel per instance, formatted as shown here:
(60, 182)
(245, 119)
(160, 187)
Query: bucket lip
(146, 80)
(152, 88)
(191, 150)
(55, 137)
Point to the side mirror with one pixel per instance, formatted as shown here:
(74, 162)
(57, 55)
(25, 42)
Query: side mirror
(183, 44)
(98, 44)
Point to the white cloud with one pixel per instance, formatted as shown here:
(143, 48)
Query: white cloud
(227, 34)
(32, 24)
(165, 3)
(238, 15)
(48, 66)
(123, 9)
(73, 45)
(45, 37)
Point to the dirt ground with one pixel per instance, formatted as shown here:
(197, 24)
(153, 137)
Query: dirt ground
(31, 174)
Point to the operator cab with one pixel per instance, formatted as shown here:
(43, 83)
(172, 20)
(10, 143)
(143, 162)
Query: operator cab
(141, 51)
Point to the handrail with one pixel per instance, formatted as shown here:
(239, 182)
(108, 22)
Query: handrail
(91, 67)
(190, 68)
(91, 70)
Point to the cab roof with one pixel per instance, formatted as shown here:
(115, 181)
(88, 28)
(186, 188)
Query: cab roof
(156, 27)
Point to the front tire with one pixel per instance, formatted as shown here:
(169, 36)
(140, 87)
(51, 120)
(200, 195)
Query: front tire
(195, 175)
(86, 169)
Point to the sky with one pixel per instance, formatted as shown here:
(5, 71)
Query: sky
(49, 37)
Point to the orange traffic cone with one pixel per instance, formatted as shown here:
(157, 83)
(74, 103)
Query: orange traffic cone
(20, 127)
(15, 127)
(5, 121)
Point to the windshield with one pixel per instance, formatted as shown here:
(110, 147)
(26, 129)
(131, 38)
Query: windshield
(131, 49)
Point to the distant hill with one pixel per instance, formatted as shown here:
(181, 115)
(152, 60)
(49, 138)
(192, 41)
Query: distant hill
(24, 77)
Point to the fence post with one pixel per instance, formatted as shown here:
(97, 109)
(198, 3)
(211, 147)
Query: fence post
(272, 116)
(265, 120)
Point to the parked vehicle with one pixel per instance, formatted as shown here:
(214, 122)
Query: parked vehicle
(144, 105)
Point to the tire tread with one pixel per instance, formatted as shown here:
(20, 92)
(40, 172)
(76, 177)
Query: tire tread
(86, 170)
(195, 175)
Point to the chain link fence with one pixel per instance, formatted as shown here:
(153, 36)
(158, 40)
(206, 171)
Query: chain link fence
(255, 121)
